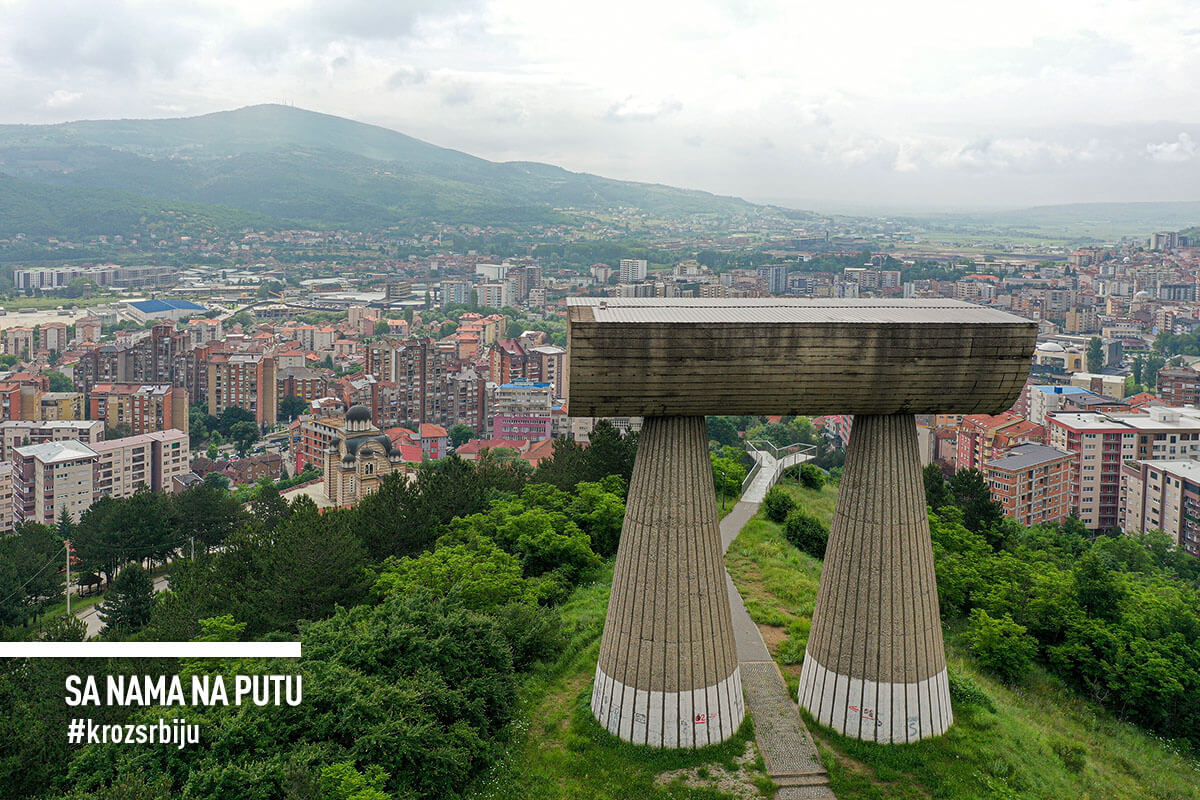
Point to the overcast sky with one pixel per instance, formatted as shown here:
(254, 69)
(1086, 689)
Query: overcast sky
(829, 105)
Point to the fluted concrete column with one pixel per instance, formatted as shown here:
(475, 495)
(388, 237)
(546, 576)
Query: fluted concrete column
(875, 667)
(668, 671)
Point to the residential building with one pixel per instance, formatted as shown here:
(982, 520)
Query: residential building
(1043, 400)
(10, 401)
(150, 460)
(312, 438)
(493, 295)
(1098, 445)
(304, 382)
(21, 433)
(51, 478)
(548, 364)
(6, 497)
(522, 410)
(87, 329)
(1163, 495)
(54, 405)
(1110, 385)
(418, 370)
(1031, 482)
(433, 440)
(983, 437)
(508, 361)
(53, 336)
(455, 293)
(202, 331)
(143, 407)
(1179, 386)
(244, 380)
(19, 342)
(776, 276)
(632, 270)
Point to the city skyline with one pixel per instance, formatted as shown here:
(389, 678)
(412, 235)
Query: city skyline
(936, 107)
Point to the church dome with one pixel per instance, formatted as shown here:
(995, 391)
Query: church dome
(358, 413)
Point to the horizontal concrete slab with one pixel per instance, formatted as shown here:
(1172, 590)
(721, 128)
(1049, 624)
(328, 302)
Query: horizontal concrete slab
(653, 357)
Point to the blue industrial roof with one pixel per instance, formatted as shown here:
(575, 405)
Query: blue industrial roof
(155, 306)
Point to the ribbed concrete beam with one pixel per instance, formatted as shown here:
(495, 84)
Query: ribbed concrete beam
(875, 667)
(668, 672)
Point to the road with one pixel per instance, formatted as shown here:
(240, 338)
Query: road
(91, 616)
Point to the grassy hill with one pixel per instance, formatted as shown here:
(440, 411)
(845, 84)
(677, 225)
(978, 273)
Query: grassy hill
(319, 169)
(1035, 740)
(1029, 742)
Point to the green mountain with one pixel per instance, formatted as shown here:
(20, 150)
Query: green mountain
(319, 169)
(71, 212)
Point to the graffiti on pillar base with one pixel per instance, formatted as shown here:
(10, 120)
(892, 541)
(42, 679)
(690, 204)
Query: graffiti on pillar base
(867, 714)
(914, 726)
(704, 719)
(639, 718)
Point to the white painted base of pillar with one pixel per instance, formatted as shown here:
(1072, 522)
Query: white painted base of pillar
(676, 720)
(893, 713)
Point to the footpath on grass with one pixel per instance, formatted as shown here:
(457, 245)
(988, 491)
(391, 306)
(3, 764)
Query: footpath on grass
(788, 751)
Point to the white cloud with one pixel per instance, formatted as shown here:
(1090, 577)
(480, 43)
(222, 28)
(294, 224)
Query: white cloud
(60, 98)
(1182, 149)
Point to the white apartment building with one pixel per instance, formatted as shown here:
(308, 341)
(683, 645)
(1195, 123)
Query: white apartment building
(632, 270)
(20, 433)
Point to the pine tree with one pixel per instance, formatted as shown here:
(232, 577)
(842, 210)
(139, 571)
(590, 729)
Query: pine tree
(130, 600)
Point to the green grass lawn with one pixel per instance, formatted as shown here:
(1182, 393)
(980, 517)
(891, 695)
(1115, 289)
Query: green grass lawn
(1036, 740)
(54, 302)
(557, 751)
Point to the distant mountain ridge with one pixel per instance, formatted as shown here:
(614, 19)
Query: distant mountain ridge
(317, 169)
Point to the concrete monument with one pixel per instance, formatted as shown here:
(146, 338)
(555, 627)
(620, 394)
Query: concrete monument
(667, 675)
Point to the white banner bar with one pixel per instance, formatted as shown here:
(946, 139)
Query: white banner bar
(149, 649)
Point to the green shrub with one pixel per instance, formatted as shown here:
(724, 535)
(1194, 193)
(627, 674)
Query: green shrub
(778, 504)
(1073, 756)
(812, 476)
(1000, 645)
(965, 691)
(806, 533)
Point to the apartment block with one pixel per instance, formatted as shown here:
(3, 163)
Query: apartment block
(1163, 495)
(1032, 483)
(419, 370)
(245, 380)
(522, 410)
(144, 407)
(53, 405)
(21, 433)
(6, 497)
(1098, 446)
(312, 438)
(51, 478)
(10, 400)
(632, 270)
(983, 437)
(303, 382)
(1179, 386)
(151, 460)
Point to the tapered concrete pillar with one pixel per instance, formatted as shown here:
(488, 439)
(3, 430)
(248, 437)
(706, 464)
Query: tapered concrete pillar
(875, 667)
(668, 671)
